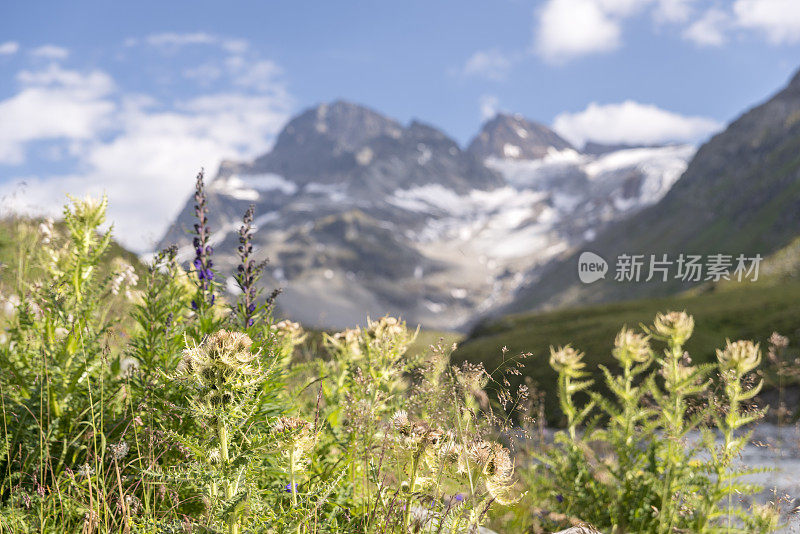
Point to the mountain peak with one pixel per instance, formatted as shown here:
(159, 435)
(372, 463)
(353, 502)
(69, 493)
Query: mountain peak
(345, 125)
(515, 137)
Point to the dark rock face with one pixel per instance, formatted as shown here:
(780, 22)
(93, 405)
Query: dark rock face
(362, 215)
(346, 143)
(512, 136)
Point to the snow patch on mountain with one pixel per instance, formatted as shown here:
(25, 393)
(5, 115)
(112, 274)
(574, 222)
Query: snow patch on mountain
(249, 186)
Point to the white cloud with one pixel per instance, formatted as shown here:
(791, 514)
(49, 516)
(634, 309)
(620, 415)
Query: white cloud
(142, 153)
(673, 10)
(246, 73)
(622, 8)
(9, 48)
(631, 122)
(489, 105)
(778, 20)
(571, 28)
(50, 52)
(173, 41)
(53, 104)
(710, 29)
(568, 29)
(180, 39)
(489, 64)
(204, 74)
(259, 75)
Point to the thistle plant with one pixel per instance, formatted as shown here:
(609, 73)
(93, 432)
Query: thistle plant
(736, 361)
(287, 336)
(633, 469)
(782, 371)
(160, 314)
(681, 380)
(445, 484)
(227, 381)
(567, 362)
(295, 438)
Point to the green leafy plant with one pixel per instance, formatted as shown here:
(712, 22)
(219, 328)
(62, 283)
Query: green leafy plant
(634, 467)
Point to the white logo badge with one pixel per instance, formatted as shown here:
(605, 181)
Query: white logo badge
(591, 267)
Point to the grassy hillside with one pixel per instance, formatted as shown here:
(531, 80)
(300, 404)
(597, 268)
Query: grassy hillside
(746, 311)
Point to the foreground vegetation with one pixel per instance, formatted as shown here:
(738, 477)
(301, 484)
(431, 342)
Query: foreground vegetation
(141, 400)
(748, 311)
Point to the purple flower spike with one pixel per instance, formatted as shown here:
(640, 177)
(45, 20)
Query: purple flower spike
(248, 273)
(202, 262)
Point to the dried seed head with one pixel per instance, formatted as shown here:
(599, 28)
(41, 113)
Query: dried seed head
(676, 326)
(119, 450)
(449, 451)
(417, 436)
(386, 327)
(473, 378)
(493, 462)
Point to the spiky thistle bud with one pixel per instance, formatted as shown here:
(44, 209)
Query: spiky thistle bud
(295, 436)
(739, 356)
(630, 347)
(566, 360)
(221, 357)
(493, 462)
(675, 326)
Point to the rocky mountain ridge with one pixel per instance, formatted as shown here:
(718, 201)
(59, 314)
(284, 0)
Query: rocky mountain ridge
(360, 214)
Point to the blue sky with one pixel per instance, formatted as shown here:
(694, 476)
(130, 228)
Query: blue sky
(131, 98)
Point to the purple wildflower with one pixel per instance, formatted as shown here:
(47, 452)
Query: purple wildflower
(459, 497)
(248, 273)
(202, 262)
(288, 488)
(560, 498)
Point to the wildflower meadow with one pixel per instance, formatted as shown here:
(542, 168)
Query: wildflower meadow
(142, 398)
